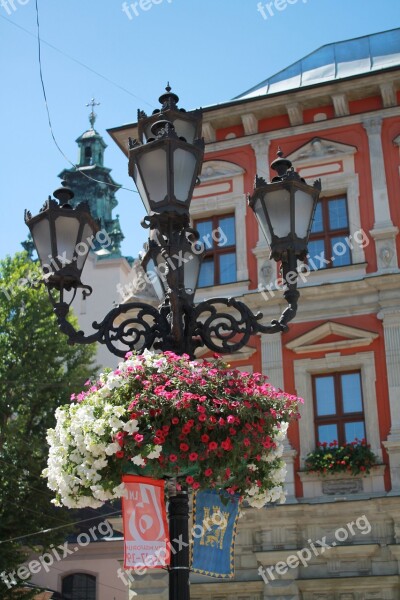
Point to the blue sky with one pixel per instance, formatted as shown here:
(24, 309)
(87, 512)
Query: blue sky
(210, 51)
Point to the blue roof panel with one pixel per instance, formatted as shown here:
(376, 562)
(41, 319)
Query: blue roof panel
(335, 61)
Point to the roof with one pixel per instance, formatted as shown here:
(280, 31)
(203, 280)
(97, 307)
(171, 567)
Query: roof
(339, 60)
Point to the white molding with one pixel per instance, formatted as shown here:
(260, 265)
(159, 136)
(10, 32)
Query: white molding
(308, 341)
(320, 148)
(295, 113)
(334, 362)
(341, 105)
(213, 170)
(250, 123)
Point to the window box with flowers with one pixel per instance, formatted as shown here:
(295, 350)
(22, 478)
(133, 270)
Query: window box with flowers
(335, 470)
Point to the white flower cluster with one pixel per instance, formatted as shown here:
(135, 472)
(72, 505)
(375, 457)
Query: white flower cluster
(256, 498)
(81, 443)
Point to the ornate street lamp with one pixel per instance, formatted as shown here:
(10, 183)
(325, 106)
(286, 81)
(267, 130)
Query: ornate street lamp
(165, 164)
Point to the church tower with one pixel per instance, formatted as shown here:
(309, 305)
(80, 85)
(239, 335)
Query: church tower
(99, 194)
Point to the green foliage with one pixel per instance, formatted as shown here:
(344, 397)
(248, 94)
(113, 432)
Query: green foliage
(38, 371)
(354, 458)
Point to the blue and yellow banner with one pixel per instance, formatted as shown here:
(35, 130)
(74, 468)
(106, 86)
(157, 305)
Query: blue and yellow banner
(214, 531)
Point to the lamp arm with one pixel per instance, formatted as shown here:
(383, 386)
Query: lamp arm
(119, 333)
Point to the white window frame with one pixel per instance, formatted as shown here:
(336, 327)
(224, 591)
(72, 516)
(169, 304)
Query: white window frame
(332, 363)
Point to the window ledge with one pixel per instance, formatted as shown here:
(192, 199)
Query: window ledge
(334, 275)
(342, 485)
(226, 290)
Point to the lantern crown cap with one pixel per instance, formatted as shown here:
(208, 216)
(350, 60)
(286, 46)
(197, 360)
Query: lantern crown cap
(64, 194)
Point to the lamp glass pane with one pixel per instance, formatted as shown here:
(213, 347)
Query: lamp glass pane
(185, 165)
(185, 129)
(82, 249)
(278, 207)
(41, 237)
(153, 171)
(191, 270)
(140, 187)
(67, 237)
(154, 278)
(304, 204)
(258, 208)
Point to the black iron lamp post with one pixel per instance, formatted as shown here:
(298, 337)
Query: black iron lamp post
(165, 164)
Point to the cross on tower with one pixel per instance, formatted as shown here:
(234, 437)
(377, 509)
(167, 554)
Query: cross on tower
(92, 116)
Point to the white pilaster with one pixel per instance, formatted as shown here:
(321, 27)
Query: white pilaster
(261, 148)
(272, 366)
(391, 329)
(384, 232)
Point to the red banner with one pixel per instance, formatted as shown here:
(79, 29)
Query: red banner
(145, 523)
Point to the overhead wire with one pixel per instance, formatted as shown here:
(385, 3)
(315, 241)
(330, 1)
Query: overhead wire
(113, 185)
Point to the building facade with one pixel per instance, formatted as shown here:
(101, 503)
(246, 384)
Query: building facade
(335, 114)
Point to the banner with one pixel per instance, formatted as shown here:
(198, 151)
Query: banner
(214, 532)
(145, 523)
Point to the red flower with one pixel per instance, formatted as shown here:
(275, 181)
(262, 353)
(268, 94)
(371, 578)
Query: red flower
(189, 480)
(174, 420)
(246, 442)
(119, 454)
(138, 437)
(213, 445)
(184, 447)
(173, 457)
(196, 485)
(227, 473)
(193, 456)
(205, 438)
(202, 417)
(208, 472)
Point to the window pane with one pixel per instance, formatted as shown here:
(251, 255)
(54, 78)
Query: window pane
(205, 230)
(337, 211)
(327, 433)
(351, 393)
(318, 224)
(227, 268)
(353, 431)
(340, 251)
(325, 396)
(316, 248)
(226, 234)
(206, 276)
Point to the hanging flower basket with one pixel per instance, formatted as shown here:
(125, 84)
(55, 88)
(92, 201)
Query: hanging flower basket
(162, 415)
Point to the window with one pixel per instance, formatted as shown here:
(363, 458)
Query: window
(79, 586)
(338, 407)
(328, 234)
(219, 239)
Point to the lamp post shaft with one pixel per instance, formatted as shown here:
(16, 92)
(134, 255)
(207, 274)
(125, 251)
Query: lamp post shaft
(178, 515)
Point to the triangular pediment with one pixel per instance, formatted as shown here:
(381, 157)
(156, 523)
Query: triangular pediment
(320, 148)
(331, 336)
(219, 169)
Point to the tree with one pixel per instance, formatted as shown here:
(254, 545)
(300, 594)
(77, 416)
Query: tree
(38, 373)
